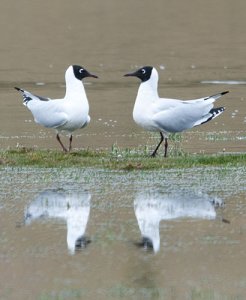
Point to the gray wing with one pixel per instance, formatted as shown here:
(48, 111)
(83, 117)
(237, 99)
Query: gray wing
(177, 115)
(46, 112)
(27, 96)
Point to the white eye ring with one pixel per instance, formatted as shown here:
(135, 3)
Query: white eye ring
(143, 71)
(81, 70)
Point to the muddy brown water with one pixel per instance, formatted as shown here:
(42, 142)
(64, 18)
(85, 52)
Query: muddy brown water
(198, 48)
(199, 247)
(193, 45)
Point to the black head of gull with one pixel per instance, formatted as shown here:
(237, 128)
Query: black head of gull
(80, 72)
(143, 74)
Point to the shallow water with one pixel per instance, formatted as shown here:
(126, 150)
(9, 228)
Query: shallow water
(192, 51)
(199, 49)
(70, 234)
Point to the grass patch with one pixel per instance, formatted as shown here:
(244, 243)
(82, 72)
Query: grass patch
(116, 158)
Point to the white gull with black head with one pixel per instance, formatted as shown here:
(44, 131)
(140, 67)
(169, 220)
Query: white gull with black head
(66, 114)
(169, 115)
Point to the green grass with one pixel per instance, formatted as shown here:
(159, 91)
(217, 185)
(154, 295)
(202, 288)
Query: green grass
(116, 158)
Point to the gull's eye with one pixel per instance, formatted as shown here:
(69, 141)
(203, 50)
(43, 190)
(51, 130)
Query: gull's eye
(143, 71)
(81, 70)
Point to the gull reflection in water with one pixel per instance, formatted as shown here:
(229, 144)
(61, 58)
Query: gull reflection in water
(72, 207)
(151, 208)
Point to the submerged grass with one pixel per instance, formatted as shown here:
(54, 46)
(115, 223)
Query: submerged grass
(116, 158)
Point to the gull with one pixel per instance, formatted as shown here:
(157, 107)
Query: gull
(67, 114)
(169, 115)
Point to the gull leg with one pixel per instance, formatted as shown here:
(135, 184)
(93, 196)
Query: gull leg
(70, 142)
(155, 151)
(60, 142)
(165, 147)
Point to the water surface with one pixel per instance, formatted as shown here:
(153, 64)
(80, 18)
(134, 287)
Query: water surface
(192, 52)
(70, 234)
(84, 234)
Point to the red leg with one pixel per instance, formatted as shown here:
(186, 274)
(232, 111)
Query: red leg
(60, 142)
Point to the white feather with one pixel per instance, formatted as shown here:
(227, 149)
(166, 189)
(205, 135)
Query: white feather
(169, 115)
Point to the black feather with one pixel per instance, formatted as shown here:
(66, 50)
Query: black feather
(213, 113)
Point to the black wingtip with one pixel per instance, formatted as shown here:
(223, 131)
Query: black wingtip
(226, 92)
(18, 89)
